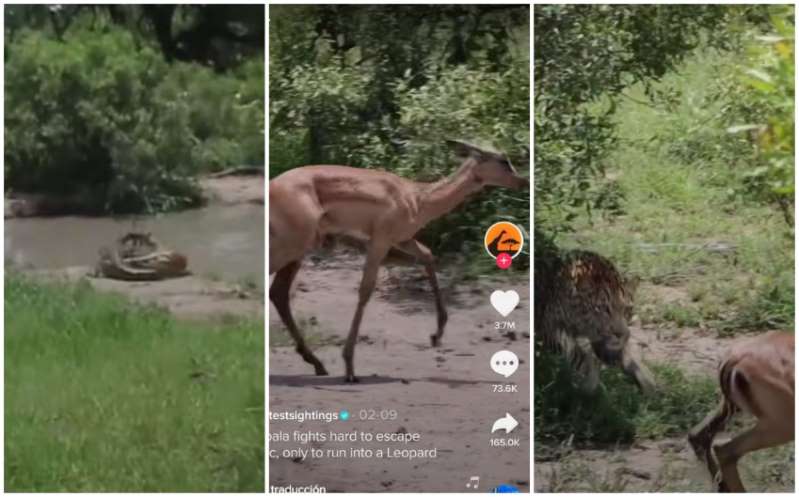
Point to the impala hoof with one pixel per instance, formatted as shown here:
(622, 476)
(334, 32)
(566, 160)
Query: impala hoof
(351, 378)
(435, 340)
(321, 371)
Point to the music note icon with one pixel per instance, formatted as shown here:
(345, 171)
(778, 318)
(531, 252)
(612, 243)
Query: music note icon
(473, 482)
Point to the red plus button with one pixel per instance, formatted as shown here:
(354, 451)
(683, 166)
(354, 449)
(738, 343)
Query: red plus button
(504, 260)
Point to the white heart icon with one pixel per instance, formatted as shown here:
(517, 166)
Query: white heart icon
(504, 302)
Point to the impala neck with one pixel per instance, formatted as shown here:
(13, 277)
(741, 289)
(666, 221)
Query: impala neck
(443, 196)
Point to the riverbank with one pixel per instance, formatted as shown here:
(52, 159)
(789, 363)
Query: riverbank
(234, 186)
(193, 298)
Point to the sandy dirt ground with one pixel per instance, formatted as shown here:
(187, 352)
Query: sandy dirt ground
(234, 189)
(663, 465)
(444, 394)
(667, 464)
(696, 351)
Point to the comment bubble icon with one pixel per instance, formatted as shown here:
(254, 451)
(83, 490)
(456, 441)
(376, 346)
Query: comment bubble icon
(505, 363)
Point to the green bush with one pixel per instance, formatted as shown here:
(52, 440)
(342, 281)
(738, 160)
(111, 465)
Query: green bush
(85, 117)
(743, 119)
(769, 78)
(314, 100)
(101, 115)
(226, 114)
(459, 102)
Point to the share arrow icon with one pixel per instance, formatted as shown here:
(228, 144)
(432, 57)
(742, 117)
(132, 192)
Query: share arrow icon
(507, 423)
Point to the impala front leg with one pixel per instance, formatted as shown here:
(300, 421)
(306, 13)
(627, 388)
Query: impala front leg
(374, 257)
(423, 254)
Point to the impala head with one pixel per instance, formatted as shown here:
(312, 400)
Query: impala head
(489, 168)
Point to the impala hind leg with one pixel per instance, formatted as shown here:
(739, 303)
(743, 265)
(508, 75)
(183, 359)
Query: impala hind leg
(423, 254)
(374, 257)
(702, 435)
(766, 433)
(279, 295)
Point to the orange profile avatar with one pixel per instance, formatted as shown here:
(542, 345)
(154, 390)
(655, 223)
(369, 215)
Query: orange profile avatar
(504, 241)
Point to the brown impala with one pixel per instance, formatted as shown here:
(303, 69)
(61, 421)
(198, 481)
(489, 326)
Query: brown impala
(387, 211)
(756, 376)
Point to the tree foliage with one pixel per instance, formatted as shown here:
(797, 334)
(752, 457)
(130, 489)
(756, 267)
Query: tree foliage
(769, 103)
(586, 56)
(95, 109)
(220, 36)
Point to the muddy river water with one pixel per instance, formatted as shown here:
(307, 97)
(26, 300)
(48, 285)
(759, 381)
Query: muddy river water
(221, 241)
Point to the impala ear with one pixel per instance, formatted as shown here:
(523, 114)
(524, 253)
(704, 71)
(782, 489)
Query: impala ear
(464, 150)
(461, 149)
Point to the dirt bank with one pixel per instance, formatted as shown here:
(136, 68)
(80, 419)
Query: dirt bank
(236, 186)
(442, 393)
(189, 297)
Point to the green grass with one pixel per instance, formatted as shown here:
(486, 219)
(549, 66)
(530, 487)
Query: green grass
(681, 175)
(617, 412)
(105, 396)
(250, 282)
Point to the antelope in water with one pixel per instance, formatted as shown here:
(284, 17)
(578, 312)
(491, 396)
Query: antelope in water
(756, 376)
(308, 203)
